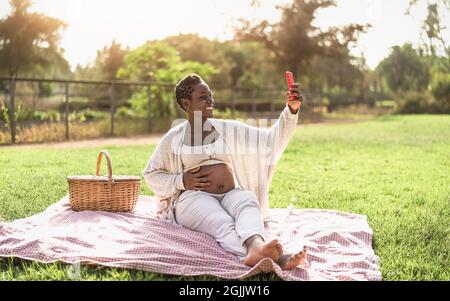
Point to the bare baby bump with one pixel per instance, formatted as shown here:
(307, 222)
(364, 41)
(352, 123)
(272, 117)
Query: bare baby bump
(221, 176)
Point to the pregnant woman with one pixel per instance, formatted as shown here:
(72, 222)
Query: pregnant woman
(214, 174)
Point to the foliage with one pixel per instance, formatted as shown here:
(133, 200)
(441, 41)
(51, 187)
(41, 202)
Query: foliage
(333, 76)
(26, 114)
(26, 38)
(257, 68)
(440, 88)
(295, 41)
(432, 24)
(88, 115)
(412, 102)
(251, 62)
(124, 112)
(228, 114)
(110, 60)
(192, 47)
(159, 62)
(106, 64)
(105, 67)
(405, 70)
(419, 83)
(4, 115)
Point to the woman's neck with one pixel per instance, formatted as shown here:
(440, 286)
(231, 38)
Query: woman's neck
(192, 121)
(202, 131)
(205, 127)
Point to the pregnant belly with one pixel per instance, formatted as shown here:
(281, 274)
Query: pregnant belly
(221, 178)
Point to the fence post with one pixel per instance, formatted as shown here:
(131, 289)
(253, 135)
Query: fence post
(254, 103)
(149, 95)
(320, 104)
(66, 109)
(113, 108)
(12, 109)
(233, 101)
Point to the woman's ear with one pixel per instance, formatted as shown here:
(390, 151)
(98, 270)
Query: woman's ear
(185, 103)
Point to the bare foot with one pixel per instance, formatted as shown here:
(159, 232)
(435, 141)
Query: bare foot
(260, 250)
(291, 261)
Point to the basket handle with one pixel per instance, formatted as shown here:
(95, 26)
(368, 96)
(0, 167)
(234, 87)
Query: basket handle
(108, 160)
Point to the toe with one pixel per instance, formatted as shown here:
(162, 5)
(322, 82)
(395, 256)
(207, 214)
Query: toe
(303, 253)
(280, 248)
(273, 243)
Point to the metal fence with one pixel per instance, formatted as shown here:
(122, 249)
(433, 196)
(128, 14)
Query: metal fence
(40, 110)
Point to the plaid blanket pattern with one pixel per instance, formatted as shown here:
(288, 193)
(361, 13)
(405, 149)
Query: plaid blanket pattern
(339, 244)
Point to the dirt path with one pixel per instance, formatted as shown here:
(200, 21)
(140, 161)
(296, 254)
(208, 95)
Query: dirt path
(138, 140)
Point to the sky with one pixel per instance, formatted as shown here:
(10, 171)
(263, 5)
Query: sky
(93, 24)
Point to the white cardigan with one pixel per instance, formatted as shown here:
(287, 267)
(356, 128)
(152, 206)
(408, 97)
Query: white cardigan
(254, 152)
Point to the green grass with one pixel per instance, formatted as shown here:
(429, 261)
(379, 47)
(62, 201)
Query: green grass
(394, 169)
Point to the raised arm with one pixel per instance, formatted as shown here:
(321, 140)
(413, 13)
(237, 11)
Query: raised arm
(277, 137)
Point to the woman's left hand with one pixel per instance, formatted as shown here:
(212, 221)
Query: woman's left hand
(294, 99)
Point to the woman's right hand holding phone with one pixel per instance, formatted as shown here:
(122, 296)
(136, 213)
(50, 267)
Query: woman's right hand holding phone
(294, 98)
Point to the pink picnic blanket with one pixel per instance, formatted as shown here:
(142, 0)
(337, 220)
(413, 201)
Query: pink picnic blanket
(339, 244)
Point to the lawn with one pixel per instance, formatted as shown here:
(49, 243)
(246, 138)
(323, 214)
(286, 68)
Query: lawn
(394, 169)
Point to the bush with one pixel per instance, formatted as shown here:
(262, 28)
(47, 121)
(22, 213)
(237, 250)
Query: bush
(440, 88)
(228, 114)
(125, 113)
(75, 104)
(3, 113)
(163, 103)
(48, 116)
(88, 115)
(414, 102)
(27, 114)
(23, 113)
(437, 101)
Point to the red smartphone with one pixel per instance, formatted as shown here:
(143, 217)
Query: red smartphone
(290, 80)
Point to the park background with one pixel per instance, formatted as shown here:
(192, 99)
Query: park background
(374, 131)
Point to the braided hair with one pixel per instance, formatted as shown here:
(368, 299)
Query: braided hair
(185, 87)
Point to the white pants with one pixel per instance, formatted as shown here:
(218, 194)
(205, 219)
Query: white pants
(230, 218)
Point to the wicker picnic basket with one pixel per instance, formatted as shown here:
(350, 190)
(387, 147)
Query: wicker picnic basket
(111, 193)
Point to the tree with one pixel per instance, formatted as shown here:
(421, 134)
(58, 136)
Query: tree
(159, 62)
(405, 70)
(331, 74)
(111, 59)
(440, 84)
(432, 24)
(106, 64)
(237, 63)
(295, 41)
(192, 47)
(105, 67)
(24, 35)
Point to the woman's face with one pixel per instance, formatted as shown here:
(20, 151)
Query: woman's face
(201, 101)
